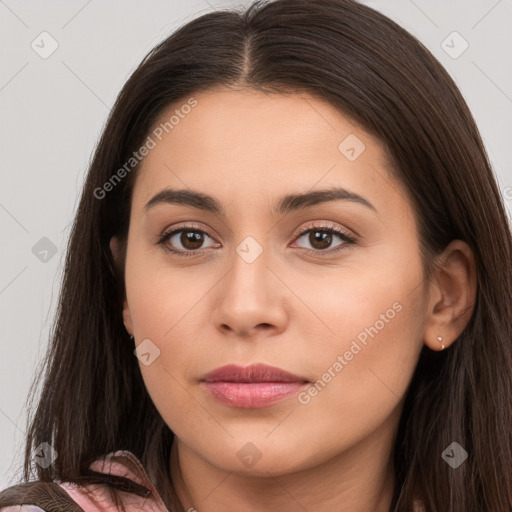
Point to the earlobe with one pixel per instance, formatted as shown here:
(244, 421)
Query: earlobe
(452, 296)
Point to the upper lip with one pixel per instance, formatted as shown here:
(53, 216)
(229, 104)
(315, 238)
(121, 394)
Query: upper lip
(253, 373)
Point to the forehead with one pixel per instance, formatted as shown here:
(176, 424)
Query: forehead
(248, 144)
(260, 126)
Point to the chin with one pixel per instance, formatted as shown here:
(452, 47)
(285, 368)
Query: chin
(262, 457)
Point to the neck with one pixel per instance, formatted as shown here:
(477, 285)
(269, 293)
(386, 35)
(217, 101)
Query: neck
(360, 479)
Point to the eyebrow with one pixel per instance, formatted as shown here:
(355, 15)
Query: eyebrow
(287, 204)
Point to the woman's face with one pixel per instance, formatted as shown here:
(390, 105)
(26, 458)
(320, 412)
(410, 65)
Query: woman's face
(263, 278)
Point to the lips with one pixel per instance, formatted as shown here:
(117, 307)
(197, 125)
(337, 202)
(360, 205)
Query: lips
(253, 386)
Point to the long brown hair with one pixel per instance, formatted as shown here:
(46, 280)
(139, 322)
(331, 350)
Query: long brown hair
(94, 401)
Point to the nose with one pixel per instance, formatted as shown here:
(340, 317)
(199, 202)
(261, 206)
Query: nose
(251, 300)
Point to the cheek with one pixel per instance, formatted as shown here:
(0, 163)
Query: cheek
(161, 297)
(165, 307)
(162, 315)
(360, 384)
(365, 365)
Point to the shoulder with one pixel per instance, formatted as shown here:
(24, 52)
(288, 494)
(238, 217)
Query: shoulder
(52, 496)
(36, 497)
(120, 463)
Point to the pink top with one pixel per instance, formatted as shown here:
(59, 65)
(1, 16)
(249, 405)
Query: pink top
(122, 463)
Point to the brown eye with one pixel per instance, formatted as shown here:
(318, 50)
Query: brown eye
(185, 241)
(320, 239)
(191, 239)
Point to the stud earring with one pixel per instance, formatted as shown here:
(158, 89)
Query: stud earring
(131, 337)
(440, 339)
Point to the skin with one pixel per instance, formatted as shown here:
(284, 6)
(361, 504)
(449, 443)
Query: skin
(289, 308)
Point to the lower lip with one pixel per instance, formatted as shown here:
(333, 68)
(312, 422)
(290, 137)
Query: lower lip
(252, 395)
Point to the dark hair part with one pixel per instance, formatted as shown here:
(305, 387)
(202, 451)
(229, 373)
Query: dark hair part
(94, 400)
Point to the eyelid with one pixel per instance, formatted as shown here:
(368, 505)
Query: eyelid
(186, 225)
(324, 225)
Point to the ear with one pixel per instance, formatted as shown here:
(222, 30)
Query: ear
(452, 295)
(127, 319)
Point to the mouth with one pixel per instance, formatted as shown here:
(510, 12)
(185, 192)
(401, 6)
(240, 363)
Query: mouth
(253, 386)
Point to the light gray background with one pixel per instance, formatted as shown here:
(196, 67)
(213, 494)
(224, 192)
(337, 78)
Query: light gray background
(52, 111)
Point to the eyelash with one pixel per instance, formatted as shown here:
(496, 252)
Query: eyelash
(329, 228)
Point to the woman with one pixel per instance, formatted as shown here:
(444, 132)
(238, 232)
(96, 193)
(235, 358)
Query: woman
(288, 285)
